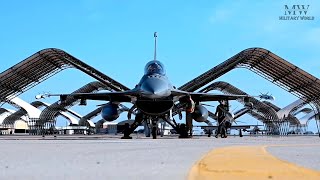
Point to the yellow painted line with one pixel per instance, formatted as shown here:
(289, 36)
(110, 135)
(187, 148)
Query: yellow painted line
(247, 162)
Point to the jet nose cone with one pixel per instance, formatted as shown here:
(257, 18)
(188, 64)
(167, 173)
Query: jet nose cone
(155, 87)
(152, 89)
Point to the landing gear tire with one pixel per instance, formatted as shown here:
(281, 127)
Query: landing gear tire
(183, 131)
(126, 137)
(126, 133)
(154, 133)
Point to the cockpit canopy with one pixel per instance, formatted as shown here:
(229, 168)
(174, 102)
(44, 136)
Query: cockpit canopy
(153, 67)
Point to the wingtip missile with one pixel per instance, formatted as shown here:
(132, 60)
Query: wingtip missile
(41, 96)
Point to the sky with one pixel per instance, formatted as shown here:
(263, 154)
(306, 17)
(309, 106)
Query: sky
(116, 37)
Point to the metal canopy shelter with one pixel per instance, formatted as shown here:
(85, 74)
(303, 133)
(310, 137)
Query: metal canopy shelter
(270, 66)
(3, 110)
(41, 66)
(291, 117)
(49, 114)
(260, 111)
(10, 120)
(86, 119)
(45, 63)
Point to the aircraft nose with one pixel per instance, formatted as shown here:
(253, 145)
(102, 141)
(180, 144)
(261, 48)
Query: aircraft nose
(154, 86)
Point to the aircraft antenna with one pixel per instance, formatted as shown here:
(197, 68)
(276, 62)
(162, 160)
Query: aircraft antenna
(155, 45)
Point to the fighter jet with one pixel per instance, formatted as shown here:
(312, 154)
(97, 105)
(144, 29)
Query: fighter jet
(266, 96)
(153, 99)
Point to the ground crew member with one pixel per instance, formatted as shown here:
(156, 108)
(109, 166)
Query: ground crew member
(220, 114)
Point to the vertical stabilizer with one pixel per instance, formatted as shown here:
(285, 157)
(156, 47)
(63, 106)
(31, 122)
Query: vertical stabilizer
(155, 46)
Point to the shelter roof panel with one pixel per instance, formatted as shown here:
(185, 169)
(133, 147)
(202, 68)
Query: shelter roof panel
(271, 67)
(42, 65)
(260, 110)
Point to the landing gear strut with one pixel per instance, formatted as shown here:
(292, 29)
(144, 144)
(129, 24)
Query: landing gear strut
(129, 129)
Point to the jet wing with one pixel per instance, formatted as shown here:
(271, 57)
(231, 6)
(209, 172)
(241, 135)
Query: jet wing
(232, 127)
(214, 97)
(121, 96)
(200, 97)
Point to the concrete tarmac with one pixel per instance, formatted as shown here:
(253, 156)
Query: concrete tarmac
(107, 157)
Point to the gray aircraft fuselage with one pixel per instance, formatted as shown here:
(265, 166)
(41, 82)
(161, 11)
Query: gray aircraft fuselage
(155, 89)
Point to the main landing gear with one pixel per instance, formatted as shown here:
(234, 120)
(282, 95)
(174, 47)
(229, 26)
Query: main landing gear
(181, 129)
(128, 129)
(138, 120)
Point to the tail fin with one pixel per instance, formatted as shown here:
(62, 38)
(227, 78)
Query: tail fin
(155, 45)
